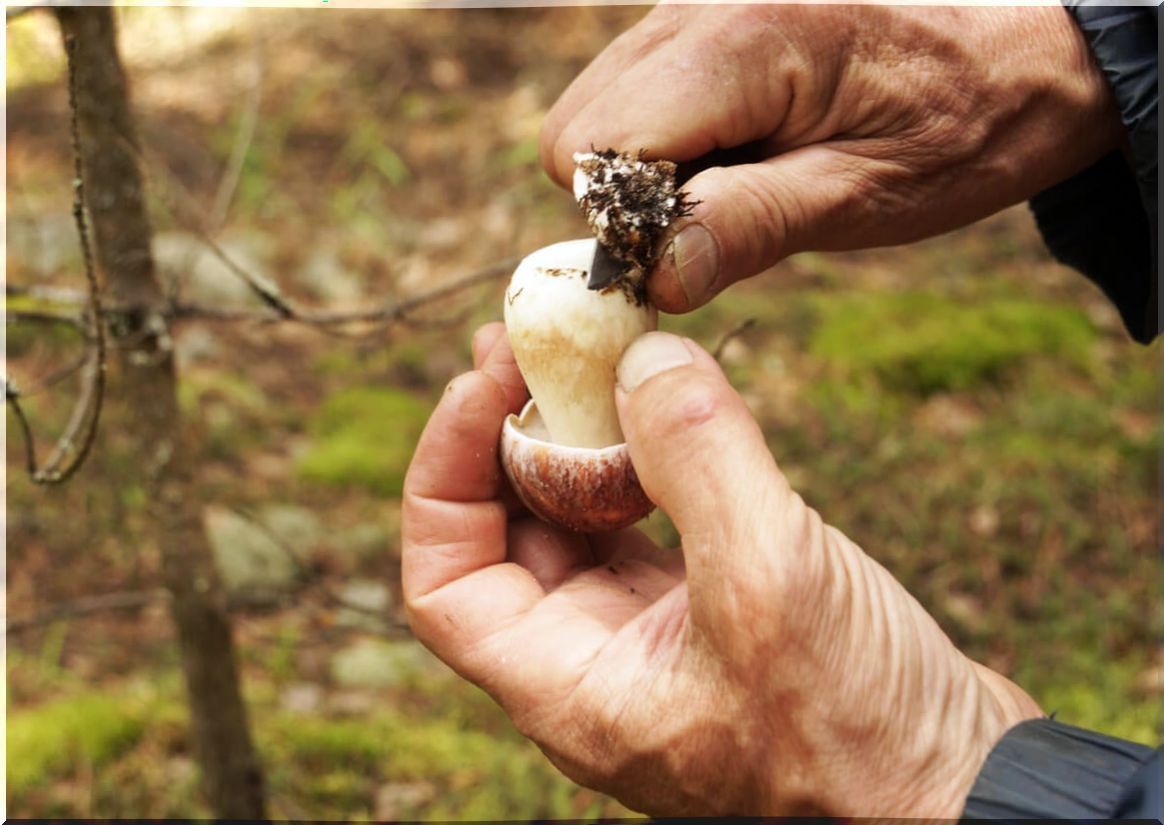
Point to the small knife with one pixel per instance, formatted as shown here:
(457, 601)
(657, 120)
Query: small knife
(605, 269)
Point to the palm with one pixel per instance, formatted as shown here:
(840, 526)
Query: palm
(606, 597)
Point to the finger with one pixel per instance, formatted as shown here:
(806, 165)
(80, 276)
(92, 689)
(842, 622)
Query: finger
(452, 522)
(750, 217)
(457, 587)
(631, 543)
(484, 339)
(501, 365)
(551, 555)
(648, 35)
(702, 458)
(673, 104)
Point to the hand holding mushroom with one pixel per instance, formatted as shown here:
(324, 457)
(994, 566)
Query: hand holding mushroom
(769, 667)
(860, 125)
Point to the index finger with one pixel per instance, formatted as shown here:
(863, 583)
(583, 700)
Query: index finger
(457, 585)
(711, 84)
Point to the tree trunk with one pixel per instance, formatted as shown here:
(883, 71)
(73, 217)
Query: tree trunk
(145, 380)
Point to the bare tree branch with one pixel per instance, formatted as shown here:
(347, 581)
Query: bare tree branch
(69, 453)
(380, 316)
(735, 332)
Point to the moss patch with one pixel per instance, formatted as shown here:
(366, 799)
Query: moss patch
(473, 775)
(924, 343)
(364, 438)
(65, 735)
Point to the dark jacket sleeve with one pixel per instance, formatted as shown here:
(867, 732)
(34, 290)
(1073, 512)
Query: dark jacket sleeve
(1048, 770)
(1104, 221)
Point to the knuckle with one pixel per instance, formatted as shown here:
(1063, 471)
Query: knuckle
(682, 403)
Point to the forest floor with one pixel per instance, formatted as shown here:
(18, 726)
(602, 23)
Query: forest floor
(969, 412)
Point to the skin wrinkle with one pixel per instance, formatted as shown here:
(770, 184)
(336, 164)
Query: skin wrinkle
(759, 213)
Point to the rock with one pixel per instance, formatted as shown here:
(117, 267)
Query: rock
(202, 277)
(376, 663)
(43, 244)
(303, 697)
(296, 527)
(249, 560)
(370, 602)
(326, 278)
(367, 540)
(194, 344)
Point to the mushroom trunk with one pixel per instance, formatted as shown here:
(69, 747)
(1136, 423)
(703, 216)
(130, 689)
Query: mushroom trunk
(568, 340)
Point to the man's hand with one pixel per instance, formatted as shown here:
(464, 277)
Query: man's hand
(769, 667)
(870, 125)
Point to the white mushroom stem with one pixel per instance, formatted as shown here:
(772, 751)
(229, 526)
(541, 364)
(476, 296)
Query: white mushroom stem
(567, 341)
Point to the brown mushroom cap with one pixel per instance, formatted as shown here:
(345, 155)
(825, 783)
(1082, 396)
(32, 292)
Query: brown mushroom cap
(588, 490)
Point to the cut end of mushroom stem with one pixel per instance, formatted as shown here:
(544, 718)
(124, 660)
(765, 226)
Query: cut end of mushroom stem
(568, 340)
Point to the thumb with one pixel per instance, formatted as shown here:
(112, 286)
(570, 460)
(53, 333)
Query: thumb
(749, 217)
(702, 458)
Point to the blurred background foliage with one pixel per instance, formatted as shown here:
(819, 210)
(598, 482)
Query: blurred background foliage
(969, 412)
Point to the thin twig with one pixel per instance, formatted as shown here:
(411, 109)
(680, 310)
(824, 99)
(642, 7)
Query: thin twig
(268, 291)
(381, 316)
(12, 398)
(735, 332)
(56, 376)
(87, 606)
(86, 413)
(389, 627)
(242, 143)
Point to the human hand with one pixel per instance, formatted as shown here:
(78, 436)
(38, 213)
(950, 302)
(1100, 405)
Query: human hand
(770, 667)
(869, 125)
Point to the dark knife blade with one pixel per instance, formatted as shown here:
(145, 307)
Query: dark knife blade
(605, 269)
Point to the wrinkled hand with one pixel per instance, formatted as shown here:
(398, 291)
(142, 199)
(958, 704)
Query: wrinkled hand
(870, 125)
(770, 667)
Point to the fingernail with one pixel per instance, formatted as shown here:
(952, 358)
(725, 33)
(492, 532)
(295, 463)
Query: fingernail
(651, 354)
(694, 256)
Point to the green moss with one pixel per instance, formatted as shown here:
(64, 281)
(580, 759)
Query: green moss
(62, 736)
(1100, 695)
(364, 438)
(476, 775)
(925, 343)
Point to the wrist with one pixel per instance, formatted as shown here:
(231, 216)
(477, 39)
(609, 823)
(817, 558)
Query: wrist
(1062, 78)
(1001, 706)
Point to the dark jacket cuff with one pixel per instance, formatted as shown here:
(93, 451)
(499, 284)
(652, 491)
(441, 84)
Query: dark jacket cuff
(1103, 222)
(1044, 768)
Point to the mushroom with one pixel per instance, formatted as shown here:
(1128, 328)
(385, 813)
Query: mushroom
(572, 309)
(565, 454)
